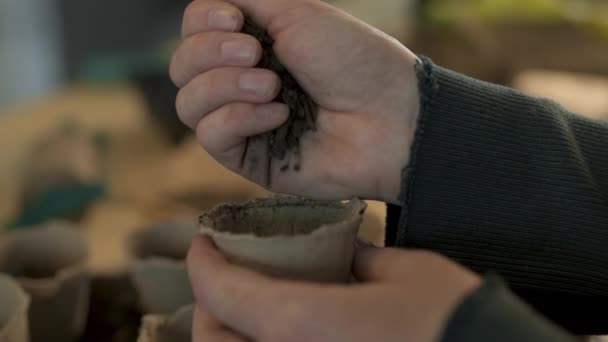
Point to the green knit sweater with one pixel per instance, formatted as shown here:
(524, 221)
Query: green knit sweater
(513, 185)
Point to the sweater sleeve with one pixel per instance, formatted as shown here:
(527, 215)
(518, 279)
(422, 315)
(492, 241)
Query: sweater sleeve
(494, 314)
(514, 185)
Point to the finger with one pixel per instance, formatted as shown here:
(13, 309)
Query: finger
(205, 328)
(218, 87)
(227, 128)
(205, 51)
(228, 292)
(264, 309)
(246, 301)
(378, 264)
(264, 11)
(205, 15)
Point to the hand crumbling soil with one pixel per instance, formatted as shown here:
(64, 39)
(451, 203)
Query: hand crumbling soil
(302, 109)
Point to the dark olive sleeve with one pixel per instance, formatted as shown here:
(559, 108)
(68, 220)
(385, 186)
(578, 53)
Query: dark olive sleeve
(495, 314)
(514, 185)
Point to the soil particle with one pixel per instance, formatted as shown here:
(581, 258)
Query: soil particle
(302, 109)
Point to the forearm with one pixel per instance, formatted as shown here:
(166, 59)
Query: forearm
(512, 184)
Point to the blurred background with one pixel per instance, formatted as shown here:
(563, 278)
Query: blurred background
(89, 133)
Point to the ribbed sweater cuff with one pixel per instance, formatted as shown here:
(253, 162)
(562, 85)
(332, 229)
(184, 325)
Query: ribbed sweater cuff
(494, 314)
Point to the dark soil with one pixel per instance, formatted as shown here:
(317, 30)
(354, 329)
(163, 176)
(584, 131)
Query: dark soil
(275, 216)
(38, 272)
(302, 109)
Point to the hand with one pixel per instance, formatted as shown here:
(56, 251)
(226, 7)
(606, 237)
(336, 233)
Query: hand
(404, 296)
(363, 81)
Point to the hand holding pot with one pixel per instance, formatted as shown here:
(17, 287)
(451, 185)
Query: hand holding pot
(403, 297)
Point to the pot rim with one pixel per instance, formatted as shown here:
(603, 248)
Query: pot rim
(333, 227)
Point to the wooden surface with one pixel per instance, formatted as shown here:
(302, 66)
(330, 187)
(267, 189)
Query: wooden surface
(141, 171)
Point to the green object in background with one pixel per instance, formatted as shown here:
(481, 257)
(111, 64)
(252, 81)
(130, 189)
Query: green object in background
(450, 12)
(599, 23)
(529, 10)
(61, 202)
(116, 68)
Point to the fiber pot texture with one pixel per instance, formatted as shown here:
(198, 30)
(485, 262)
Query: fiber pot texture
(175, 328)
(289, 238)
(13, 311)
(158, 271)
(49, 263)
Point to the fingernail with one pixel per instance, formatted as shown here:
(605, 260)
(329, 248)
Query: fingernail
(223, 19)
(257, 83)
(238, 51)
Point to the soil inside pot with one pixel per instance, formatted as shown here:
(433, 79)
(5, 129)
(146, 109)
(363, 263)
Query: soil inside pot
(36, 272)
(21, 265)
(302, 109)
(276, 217)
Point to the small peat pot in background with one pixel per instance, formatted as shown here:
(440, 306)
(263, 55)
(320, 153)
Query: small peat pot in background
(288, 237)
(168, 239)
(14, 303)
(158, 271)
(49, 263)
(163, 328)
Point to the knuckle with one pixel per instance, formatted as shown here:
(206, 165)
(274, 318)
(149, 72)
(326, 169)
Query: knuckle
(217, 84)
(205, 138)
(198, 47)
(211, 80)
(191, 15)
(174, 70)
(232, 116)
(191, 7)
(181, 105)
(196, 15)
(190, 53)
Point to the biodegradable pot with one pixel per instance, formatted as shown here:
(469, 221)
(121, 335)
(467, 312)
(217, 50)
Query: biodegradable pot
(175, 328)
(169, 239)
(162, 285)
(288, 237)
(158, 272)
(13, 311)
(49, 263)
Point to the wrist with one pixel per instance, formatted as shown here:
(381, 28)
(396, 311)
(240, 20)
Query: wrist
(399, 156)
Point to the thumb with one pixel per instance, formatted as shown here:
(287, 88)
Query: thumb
(373, 264)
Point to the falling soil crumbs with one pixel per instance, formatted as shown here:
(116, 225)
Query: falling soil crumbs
(302, 109)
